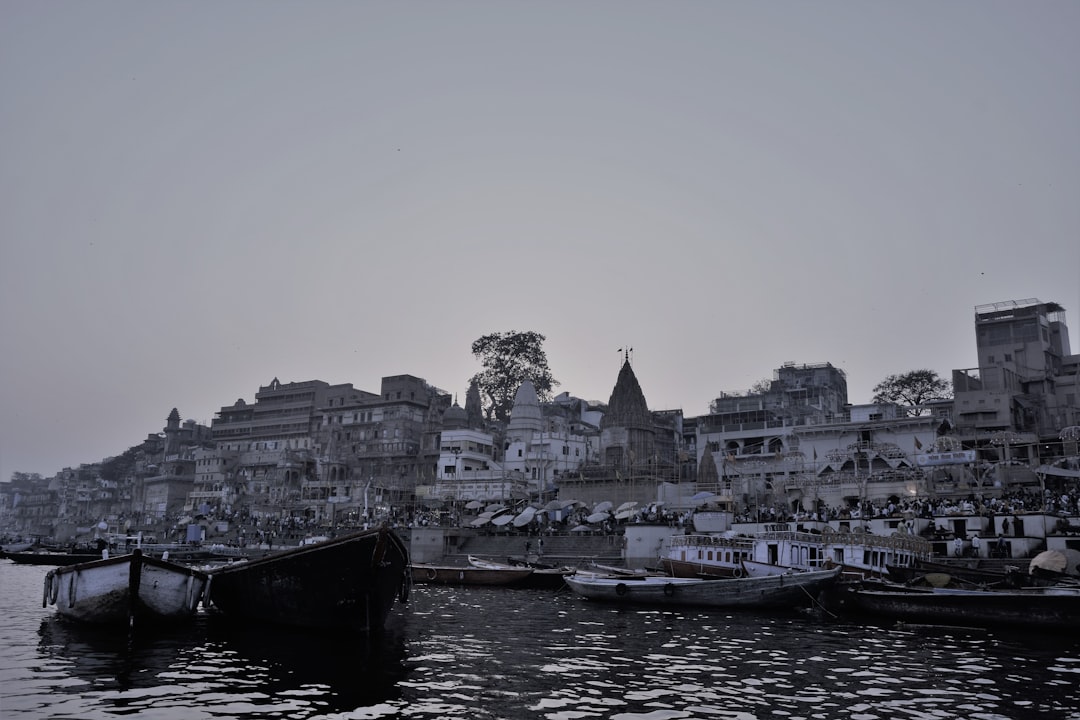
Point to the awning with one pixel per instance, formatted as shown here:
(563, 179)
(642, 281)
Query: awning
(1059, 472)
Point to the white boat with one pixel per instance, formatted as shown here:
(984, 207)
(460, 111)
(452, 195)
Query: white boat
(785, 590)
(126, 589)
(16, 547)
(752, 568)
(860, 553)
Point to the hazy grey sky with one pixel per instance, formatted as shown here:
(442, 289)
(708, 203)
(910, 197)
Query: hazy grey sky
(197, 197)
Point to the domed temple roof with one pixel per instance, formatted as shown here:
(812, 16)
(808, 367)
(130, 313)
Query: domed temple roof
(455, 417)
(525, 416)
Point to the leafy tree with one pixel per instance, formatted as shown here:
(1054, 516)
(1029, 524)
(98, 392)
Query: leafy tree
(509, 359)
(117, 468)
(761, 387)
(912, 388)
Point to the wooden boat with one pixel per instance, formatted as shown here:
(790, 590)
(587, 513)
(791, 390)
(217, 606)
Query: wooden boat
(541, 578)
(51, 557)
(347, 583)
(1050, 608)
(16, 547)
(1008, 577)
(786, 590)
(424, 573)
(753, 568)
(132, 589)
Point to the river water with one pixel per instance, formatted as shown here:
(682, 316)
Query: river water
(509, 654)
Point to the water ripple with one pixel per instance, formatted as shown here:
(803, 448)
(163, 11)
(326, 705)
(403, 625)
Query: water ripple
(507, 654)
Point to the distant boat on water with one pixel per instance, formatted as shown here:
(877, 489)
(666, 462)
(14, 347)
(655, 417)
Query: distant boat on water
(491, 574)
(1047, 608)
(550, 578)
(768, 591)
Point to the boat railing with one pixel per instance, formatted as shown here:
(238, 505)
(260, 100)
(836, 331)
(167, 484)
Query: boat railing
(909, 543)
(711, 541)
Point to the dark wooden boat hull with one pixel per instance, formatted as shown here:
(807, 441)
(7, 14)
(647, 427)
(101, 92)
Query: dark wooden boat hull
(348, 583)
(52, 558)
(1013, 578)
(466, 575)
(1047, 609)
(771, 591)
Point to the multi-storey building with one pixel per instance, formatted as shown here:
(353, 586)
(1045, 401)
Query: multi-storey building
(797, 444)
(322, 452)
(374, 450)
(1026, 379)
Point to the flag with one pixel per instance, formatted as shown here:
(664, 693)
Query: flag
(815, 454)
(918, 445)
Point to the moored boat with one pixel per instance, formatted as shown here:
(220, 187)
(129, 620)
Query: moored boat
(424, 573)
(770, 591)
(1049, 608)
(131, 588)
(15, 547)
(753, 568)
(541, 578)
(859, 553)
(1008, 576)
(48, 557)
(347, 583)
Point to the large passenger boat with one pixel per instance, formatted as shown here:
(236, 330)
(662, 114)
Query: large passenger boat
(857, 552)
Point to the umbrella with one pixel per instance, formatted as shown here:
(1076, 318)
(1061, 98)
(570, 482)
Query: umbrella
(703, 495)
(581, 528)
(474, 505)
(478, 522)
(496, 507)
(567, 503)
(625, 514)
(1061, 561)
(503, 520)
(626, 506)
(554, 505)
(603, 507)
(1051, 560)
(525, 517)
(597, 517)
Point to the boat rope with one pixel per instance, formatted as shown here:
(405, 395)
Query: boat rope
(814, 602)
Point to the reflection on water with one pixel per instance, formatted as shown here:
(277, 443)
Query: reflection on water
(499, 653)
(223, 671)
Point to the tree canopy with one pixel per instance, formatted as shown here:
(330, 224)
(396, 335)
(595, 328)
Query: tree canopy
(912, 388)
(509, 359)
